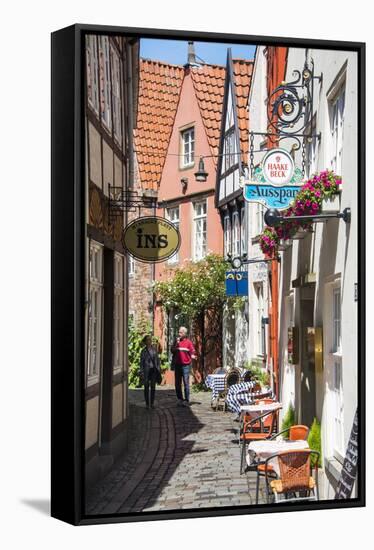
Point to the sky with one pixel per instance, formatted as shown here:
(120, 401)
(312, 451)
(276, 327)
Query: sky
(175, 51)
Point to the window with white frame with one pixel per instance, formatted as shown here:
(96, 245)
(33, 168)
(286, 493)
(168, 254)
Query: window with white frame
(118, 312)
(336, 109)
(312, 149)
(334, 361)
(116, 95)
(172, 214)
(259, 224)
(199, 230)
(105, 88)
(188, 147)
(230, 149)
(243, 230)
(92, 64)
(227, 234)
(338, 410)
(95, 310)
(131, 265)
(259, 293)
(336, 328)
(236, 234)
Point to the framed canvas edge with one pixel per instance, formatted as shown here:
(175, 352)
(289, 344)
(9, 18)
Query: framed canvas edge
(73, 491)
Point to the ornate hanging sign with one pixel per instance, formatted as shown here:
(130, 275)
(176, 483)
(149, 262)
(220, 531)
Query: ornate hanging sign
(278, 167)
(151, 239)
(276, 182)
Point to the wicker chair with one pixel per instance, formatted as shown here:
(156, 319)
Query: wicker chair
(247, 376)
(295, 433)
(248, 434)
(232, 377)
(295, 481)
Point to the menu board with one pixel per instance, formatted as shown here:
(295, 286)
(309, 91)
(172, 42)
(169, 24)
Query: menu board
(349, 471)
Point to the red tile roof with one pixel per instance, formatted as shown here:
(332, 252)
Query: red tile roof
(159, 91)
(242, 76)
(209, 85)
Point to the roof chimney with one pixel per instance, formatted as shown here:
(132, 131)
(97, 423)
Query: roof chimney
(191, 58)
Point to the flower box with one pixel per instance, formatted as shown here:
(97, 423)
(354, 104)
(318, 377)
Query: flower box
(284, 244)
(300, 234)
(332, 204)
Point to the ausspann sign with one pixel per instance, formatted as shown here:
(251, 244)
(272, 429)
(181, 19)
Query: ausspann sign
(276, 182)
(151, 239)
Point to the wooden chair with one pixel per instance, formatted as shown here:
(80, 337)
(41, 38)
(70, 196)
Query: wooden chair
(295, 481)
(248, 434)
(232, 377)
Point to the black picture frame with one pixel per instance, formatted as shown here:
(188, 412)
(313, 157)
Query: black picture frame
(67, 248)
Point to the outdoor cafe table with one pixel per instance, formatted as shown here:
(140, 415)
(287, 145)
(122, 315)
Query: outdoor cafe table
(258, 451)
(257, 410)
(240, 394)
(216, 382)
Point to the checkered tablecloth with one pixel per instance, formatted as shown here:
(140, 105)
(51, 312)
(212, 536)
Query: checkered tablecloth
(240, 394)
(216, 382)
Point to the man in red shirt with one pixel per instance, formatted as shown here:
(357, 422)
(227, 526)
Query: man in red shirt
(183, 353)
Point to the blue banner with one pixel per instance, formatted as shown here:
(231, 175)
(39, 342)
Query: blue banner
(272, 196)
(236, 283)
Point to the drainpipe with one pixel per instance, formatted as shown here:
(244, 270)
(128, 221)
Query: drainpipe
(274, 324)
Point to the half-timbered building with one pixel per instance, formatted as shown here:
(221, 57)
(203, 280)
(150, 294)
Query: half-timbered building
(232, 166)
(111, 88)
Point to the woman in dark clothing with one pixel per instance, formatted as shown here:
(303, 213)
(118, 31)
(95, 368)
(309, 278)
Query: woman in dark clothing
(150, 372)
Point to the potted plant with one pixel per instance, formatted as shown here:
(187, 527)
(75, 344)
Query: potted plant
(288, 420)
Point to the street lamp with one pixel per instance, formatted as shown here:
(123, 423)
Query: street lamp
(273, 217)
(201, 175)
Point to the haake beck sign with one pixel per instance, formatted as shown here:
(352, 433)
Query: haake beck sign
(151, 239)
(275, 183)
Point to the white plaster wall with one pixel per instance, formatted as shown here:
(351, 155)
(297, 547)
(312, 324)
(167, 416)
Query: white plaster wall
(334, 248)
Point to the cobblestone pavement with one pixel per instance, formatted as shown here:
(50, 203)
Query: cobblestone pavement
(178, 457)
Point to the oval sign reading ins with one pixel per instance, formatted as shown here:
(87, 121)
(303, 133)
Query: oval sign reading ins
(278, 167)
(151, 239)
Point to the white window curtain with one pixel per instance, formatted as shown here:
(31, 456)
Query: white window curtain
(200, 230)
(116, 96)
(92, 72)
(172, 214)
(118, 313)
(336, 127)
(105, 85)
(188, 147)
(95, 309)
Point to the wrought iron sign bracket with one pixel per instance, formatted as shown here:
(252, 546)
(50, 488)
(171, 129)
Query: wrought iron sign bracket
(273, 217)
(290, 113)
(238, 261)
(128, 200)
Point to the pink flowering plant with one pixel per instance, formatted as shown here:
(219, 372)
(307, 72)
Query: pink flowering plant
(269, 241)
(308, 201)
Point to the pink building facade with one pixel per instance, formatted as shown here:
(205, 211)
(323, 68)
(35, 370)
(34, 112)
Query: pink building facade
(189, 204)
